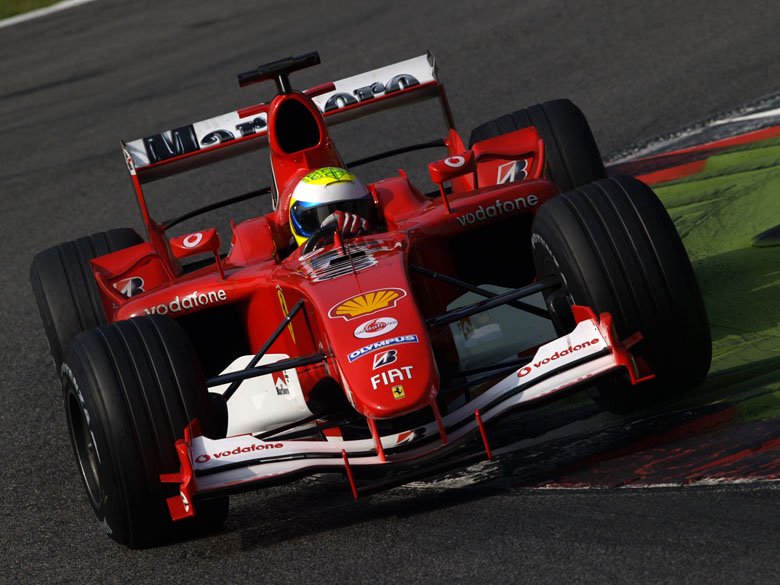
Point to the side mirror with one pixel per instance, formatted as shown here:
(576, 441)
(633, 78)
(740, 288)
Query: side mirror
(201, 242)
(453, 166)
(195, 243)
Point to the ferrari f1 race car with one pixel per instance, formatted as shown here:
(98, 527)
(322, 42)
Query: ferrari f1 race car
(190, 373)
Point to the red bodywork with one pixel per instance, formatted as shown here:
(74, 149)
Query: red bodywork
(343, 314)
(388, 319)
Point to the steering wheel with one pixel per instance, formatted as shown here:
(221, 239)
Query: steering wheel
(320, 237)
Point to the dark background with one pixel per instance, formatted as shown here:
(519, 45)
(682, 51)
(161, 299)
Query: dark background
(73, 84)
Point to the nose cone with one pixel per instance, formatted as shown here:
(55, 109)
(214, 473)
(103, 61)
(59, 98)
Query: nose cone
(377, 336)
(393, 375)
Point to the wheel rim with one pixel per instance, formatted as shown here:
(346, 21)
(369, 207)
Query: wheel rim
(86, 452)
(559, 301)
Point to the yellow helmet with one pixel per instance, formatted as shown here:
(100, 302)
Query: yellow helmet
(322, 192)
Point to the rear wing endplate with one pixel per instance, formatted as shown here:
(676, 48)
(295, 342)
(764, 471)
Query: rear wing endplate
(201, 143)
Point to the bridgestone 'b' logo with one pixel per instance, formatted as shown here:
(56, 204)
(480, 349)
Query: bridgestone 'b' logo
(385, 358)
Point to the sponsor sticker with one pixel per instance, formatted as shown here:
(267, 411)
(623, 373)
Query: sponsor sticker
(512, 171)
(204, 457)
(455, 161)
(385, 358)
(190, 301)
(388, 377)
(398, 392)
(500, 207)
(359, 353)
(375, 89)
(375, 327)
(130, 286)
(539, 365)
(367, 303)
(281, 383)
(283, 303)
(192, 240)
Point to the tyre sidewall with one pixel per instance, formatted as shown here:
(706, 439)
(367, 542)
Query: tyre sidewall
(109, 504)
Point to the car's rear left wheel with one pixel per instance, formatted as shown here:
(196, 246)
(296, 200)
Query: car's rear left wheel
(572, 156)
(65, 289)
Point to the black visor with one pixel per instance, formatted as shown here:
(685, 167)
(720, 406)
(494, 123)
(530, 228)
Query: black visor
(307, 219)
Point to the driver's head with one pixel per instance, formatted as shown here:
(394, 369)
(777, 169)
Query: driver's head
(322, 192)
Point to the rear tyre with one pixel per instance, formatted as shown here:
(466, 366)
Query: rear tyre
(615, 249)
(65, 289)
(573, 158)
(130, 389)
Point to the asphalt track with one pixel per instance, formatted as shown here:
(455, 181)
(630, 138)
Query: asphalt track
(72, 84)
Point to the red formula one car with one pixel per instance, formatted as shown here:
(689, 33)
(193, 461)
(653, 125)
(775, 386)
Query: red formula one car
(526, 275)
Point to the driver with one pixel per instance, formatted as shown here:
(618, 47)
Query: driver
(330, 195)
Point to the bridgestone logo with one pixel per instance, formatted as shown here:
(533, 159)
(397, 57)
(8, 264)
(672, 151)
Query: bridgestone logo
(498, 208)
(191, 301)
(202, 458)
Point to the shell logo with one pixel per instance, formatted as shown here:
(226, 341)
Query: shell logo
(367, 303)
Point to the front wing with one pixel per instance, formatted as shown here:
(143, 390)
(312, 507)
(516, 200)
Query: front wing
(217, 467)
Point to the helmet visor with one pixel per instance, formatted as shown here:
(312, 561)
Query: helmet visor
(306, 218)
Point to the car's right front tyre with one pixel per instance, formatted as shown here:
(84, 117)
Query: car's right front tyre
(615, 249)
(130, 388)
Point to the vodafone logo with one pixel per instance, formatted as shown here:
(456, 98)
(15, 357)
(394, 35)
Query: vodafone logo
(525, 370)
(192, 240)
(375, 327)
(455, 162)
(204, 457)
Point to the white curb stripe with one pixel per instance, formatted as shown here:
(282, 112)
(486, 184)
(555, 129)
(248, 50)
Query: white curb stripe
(42, 12)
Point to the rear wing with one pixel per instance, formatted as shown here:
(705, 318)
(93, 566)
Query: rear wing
(201, 143)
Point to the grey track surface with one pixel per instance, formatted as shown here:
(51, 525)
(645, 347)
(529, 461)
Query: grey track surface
(74, 83)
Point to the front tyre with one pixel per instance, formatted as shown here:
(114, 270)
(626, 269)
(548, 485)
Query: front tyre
(130, 389)
(615, 249)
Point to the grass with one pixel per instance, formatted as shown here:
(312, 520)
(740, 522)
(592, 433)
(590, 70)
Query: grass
(718, 212)
(14, 7)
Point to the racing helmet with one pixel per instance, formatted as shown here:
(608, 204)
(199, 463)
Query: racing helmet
(322, 192)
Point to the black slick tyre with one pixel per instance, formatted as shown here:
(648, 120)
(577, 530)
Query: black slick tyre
(130, 388)
(572, 156)
(65, 289)
(615, 249)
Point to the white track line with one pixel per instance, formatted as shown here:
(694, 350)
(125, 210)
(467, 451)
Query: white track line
(42, 12)
(755, 116)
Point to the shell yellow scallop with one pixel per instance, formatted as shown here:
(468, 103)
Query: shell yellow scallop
(367, 303)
